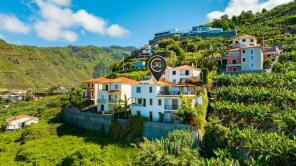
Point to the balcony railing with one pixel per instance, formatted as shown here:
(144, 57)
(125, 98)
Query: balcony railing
(236, 64)
(184, 74)
(138, 105)
(176, 93)
(102, 101)
(113, 100)
(172, 107)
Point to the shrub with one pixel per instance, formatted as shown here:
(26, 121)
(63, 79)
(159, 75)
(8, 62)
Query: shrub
(127, 131)
(86, 155)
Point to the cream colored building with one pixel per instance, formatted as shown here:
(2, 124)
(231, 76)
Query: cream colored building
(181, 73)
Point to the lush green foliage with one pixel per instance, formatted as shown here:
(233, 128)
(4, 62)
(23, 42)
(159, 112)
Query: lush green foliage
(33, 67)
(136, 75)
(280, 97)
(279, 80)
(178, 148)
(127, 131)
(197, 51)
(250, 145)
(51, 142)
(194, 116)
(74, 99)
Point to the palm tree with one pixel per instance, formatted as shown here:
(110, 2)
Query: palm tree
(122, 106)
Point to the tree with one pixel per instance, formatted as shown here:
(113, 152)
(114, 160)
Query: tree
(123, 107)
(74, 98)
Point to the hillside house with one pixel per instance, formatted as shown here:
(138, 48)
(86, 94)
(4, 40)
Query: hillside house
(111, 91)
(181, 73)
(92, 88)
(139, 64)
(20, 121)
(273, 51)
(159, 101)
(245, 55)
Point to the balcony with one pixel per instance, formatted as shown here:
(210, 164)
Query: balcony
(113, 100)
(102, 101)
(236, 64)
(172, 107)
(176, 93)
(138, 105)
(184, 74)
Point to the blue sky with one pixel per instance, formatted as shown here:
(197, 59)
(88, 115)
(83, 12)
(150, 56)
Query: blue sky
(108, 22)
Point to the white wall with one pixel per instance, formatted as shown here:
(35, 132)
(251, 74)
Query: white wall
(180, 74)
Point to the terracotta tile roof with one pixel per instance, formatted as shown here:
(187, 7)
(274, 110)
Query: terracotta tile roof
(271, 50)
(234, 50)
(19, 117)
(114, 92)
(88, 81)
(184, 67)
(162, 82)
(122, 80)
(245, 36)
(101, 79)
(97, 80)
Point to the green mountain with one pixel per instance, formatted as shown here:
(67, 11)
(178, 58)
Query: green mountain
(34, 67)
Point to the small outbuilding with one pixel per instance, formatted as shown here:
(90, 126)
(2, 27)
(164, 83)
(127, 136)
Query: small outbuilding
(20, 121)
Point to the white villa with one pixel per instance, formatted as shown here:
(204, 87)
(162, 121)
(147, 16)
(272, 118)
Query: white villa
(181, 73)
(159, 101)
(111, 91)
(20, 121)
(92, 88)
(156, 101)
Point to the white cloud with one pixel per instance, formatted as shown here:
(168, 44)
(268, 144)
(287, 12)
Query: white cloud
(56, 21)
(61, 2)
(12, 24)
(235, 7)
(117, 31)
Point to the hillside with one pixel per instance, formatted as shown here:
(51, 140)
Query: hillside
(34, 67)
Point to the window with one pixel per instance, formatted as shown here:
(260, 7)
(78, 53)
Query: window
(234, 61)
(150, 89)
(139, 113)
(144, 102)
(174, 72)
(244, 51)
(234, 69)
(252, 65)
(106, 87)
(187, 72)
(252, 40)
(116, 86)
(139, 101)
(151, 102)
(138, 89)
(252, 51)
(244, 59)
(252, 57)
(133, 100)
(174, 81)
(244, 40)
(236, 42)
(159, 102)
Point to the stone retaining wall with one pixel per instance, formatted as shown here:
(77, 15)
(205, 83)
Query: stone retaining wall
(95, 121)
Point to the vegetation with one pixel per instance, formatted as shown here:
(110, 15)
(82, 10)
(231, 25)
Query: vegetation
(33, 67)
(127, 131)
(75, 99)
(253, 116)
(50, 142)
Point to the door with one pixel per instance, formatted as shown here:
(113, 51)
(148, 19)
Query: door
(151, 116)
(175, 104)
(102, 107)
